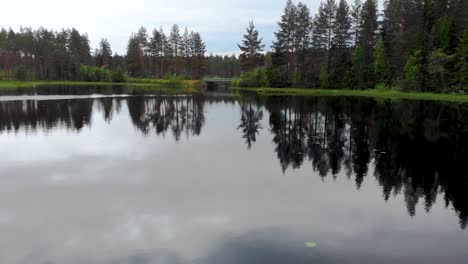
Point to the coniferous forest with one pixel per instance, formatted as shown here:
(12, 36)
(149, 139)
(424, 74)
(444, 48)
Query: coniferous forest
(416, 45)
(44, 54)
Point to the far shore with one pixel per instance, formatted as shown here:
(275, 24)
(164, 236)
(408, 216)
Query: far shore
(386, 94)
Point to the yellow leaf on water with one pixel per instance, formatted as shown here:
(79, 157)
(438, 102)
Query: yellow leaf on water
(310, 244)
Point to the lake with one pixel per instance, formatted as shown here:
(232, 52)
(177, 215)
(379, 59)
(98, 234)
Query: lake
(128, 177)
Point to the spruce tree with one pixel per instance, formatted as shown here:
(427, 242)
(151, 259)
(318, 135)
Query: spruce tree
(356, 17)
(392, 34)
(135, 60)
(342, 26)
(156, 51)
(323, 33)
(367, 40)
(199, 61)
(284, 44)
(381, 66)
(341, 62)
(104, 54)
(302, 39)
(460, 80)
(251, 48)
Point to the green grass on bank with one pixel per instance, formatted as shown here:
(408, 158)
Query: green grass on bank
(388, 94)
(187, 86)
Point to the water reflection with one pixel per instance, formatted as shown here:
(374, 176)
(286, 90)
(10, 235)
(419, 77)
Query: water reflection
(177, 114)
(418, 148)
(255, 179)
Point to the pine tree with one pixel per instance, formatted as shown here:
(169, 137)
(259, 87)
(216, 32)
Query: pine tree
(199, 60)
(356, 17)
(323, 35)
(425, 43)
(392, 34)
(284, 44)
(460, 81)
(302, 39)
(251, 48)
(414, 71)
(186, 51)
(104, 54)
(175, 46)
(156, 51)
(367, 40)
(135, 60)
(175, 41)
(341, 60)
(342, 26)
(141, 38)
(381, 66)
(324, 24)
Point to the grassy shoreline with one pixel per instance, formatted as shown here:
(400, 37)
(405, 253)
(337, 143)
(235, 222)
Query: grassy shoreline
(385, 94)
(179, 86)
(132, 82)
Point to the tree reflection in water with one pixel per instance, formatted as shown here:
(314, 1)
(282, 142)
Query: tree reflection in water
(415, 148)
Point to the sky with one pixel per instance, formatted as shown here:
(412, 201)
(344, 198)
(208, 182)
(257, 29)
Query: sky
(220, 22)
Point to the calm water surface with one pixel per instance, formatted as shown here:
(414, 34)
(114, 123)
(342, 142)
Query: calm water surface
(218, 179)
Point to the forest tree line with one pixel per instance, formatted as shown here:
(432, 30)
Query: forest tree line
(419, 45)
(44, 54)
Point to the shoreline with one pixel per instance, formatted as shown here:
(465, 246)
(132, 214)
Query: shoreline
(384, 94)
(182, 86)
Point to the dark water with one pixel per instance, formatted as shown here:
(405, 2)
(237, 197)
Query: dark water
(218, 179)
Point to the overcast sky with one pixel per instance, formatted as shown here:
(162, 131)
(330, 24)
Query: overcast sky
(220, 22)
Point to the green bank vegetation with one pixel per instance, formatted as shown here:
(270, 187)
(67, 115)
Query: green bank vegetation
(417, 46)
(186, 86)
(388, 94)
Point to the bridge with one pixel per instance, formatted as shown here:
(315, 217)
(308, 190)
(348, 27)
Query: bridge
(215, 84)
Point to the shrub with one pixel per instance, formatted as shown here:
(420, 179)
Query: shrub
(413, 71)
(118, 75)
(278, 77)
(21, 74)
(94, 74)
(255, 78)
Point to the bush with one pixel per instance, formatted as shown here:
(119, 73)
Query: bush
(21, 74)
(95, 74)
(278, 77)
(255, 78)
(413, 71)
(324, 77)
(118, 75)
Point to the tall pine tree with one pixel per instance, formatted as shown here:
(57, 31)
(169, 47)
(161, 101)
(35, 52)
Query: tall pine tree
(251, 48)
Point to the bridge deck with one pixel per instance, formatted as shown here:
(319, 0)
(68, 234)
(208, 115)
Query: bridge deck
(214, 80)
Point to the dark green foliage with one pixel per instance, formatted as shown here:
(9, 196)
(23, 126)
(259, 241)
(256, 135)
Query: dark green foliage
(460, 79)
(382, 70)
(21, 74)
(103, 56)
(118, 76)
(176, 55)
(135, 57)
(251, 48)
(255, 78)
(367, 40)
(223, 66)
(94, 74)
(414, 72)
(416, 45)
(342, 26)
(43, 54)
(446, 35)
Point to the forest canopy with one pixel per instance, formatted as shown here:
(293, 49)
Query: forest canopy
(418, 45)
